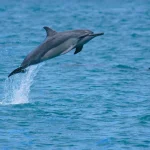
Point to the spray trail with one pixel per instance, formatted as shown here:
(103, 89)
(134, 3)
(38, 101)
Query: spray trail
(17, 88)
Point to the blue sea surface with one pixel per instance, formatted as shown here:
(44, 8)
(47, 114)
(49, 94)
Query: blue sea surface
(98, 99)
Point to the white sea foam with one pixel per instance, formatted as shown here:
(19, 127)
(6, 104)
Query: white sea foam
(18, 87)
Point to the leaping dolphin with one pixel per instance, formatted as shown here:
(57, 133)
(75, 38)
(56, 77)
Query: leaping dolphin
(55, 44)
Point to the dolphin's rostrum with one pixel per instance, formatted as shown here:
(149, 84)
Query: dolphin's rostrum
(55, 44)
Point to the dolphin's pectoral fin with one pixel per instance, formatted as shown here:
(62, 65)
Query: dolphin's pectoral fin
(49, 31)
(78, 49)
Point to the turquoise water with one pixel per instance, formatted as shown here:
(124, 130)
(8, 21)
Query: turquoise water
(98, 99)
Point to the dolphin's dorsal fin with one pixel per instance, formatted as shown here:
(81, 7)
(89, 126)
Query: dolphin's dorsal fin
(49, 31)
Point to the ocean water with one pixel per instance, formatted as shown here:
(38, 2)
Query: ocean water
(98, 99)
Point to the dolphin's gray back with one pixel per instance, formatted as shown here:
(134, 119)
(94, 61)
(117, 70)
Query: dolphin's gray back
(49, 43)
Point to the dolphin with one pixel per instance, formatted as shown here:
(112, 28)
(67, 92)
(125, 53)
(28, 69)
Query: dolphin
(55, 44)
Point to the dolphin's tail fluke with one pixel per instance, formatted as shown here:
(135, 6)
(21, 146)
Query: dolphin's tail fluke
(18, 70)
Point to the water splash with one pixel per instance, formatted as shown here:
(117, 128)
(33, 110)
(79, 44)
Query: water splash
(17, 88)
